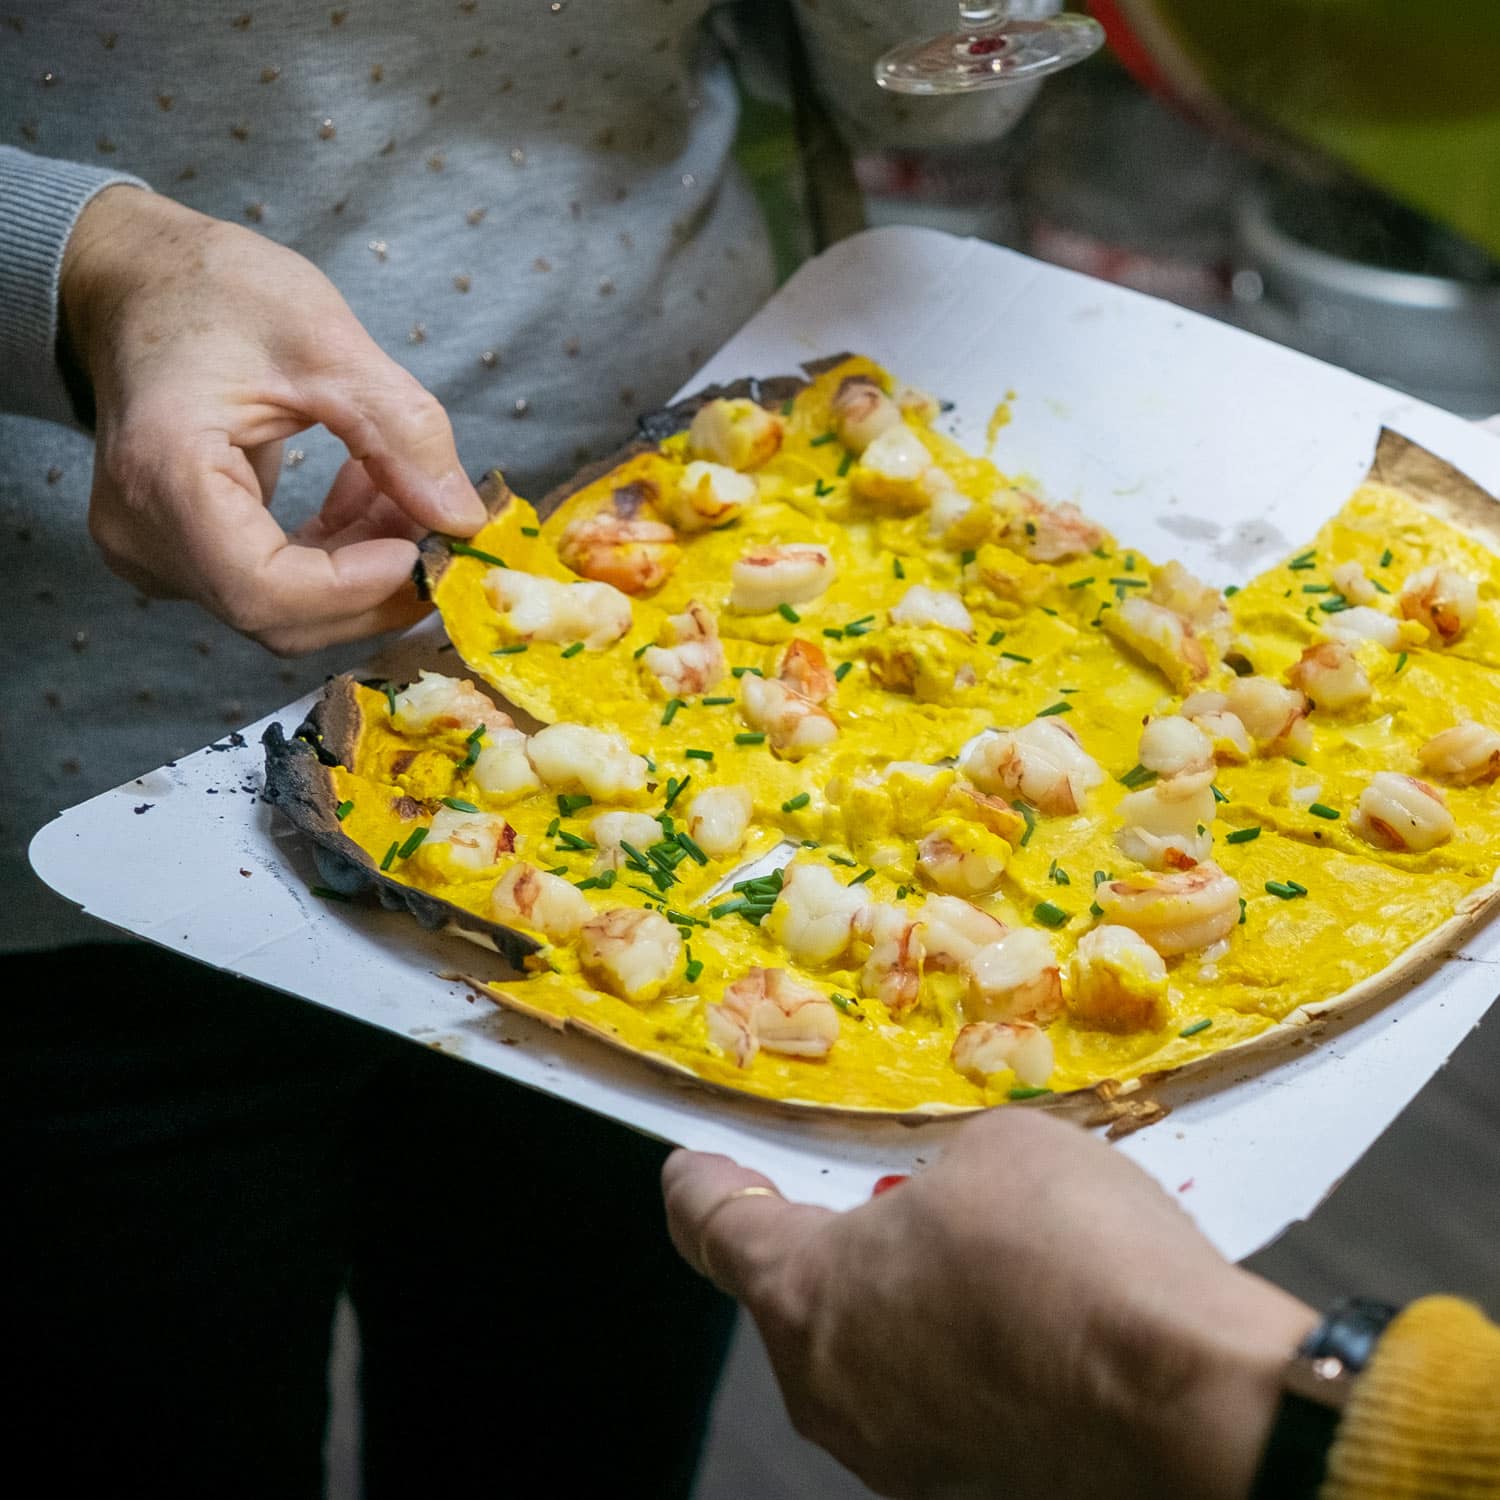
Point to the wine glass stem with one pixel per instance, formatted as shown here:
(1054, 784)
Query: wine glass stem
(995, 13)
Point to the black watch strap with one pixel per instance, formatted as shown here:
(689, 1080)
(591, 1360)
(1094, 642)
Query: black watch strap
(1314, 1389)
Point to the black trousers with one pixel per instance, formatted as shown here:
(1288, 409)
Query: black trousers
(198, 1166)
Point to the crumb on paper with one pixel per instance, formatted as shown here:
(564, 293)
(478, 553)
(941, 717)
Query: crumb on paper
(1126, 1116)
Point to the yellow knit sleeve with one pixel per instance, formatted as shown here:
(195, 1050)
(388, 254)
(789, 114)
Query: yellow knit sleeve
(1423, 1421)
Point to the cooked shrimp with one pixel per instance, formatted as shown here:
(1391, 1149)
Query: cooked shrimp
(502, 767)
(610, 831)
(813, 918)
(545, 902)
(718, 819)
(984, 1048)
(892, 970)
(779, 573)
(953, 931)
(1117, 982)
(1175, 747)
(1165, 827)
(1016, 979)
(689, 659)
(795, 725)
(593, 760)
(636, 556)
(950, 510)
(861, 412)
(805, 670)
(1051, 533)
(1161, 637)
(920, 605)
(735, 432)
(1331, 675)
(1442, 599)
(542, 609)
(1349, 579)
(437, 702)
(1467, 753)
(630, 952)
(1042, 762)
(1176, 912)
(994, 813)
(770, 1008)
(916, 403)
(1199, 603)
(1229, 737)
(464, 843)
(961, 859)
(1365, 624)
(1400, 812)
(897, 470)
(1275, 716)
(707, 495)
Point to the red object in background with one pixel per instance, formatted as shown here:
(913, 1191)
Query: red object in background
(1129, 48)
(885, 1184)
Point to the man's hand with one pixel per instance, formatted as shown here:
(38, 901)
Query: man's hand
(206, 346)
(1032, 1316)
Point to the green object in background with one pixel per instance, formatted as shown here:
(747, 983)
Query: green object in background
(1406, 92)
(766, 150)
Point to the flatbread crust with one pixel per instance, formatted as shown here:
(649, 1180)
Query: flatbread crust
(1399, 463)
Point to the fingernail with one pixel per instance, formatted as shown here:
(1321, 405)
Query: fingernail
(461, 506)
(885, 1184)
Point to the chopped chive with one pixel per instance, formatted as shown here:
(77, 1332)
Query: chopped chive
(1031, 528)
(553, 826)
(788, 614)
(749, 737)
(1016, 656)
(1230, 590)
(1047, 611)
(1218, 795)
(1304, 559)
(996, 636)
(1095, 910)
(1057, 874)
(1027, 1093)
(811, 844)
(390, 699)
(390, 854)
(413, 843)
(569, 803)
(786, 407)
(1130, 562)
(1028, 817)
(1130, 583)
(699, 754)
(1286, 889)
(724, 908)
(1102, 555)
(343, 810)
(327, 893)
(821, 487)
(841, 671)
(690, 847)
(793, 803)
(822, 439)
(896, 568)
(1242, 911)
(1335, 605)
(1296, 888)
(650, 764)
(693, 970)
(606, 879)
(635, 856)
(458, 804)
(1099, 878)
(901, 893)
(1376, 584)
(1242, 835)
(839, 859)
(1309, 613)
(716, 702)
(1196, 1027)
(682, 919)
(844, 464)
(675, 789)
(1387, 557)
(833, 632)
(640, 651)
(572, 650)
(590, 884)
(572, 841)
(474, 744)
(463, 549)
(1295, 761)
(1081, 583)
(1137, 777)
(1317, 588)
(858, 628)
(1400, 661)
(966, 557)
(1322, 810)
(864, 875)
(1050, 915)
(742, 671)
(862, 620)
(670, 712)
(845, 1003)
(531, 531)
(1061, 707)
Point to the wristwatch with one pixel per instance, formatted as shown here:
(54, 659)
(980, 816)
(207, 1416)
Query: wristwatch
(1315, 1388)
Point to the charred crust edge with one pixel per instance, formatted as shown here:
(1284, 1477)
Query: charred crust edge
(434, 552)
(299, 784)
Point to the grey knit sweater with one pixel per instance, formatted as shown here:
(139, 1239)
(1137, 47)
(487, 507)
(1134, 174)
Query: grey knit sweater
(530, 203)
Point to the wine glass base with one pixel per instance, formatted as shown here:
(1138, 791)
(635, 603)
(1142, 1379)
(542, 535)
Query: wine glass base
(989, 57)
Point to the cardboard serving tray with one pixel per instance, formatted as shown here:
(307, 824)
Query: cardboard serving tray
(1185, 437)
